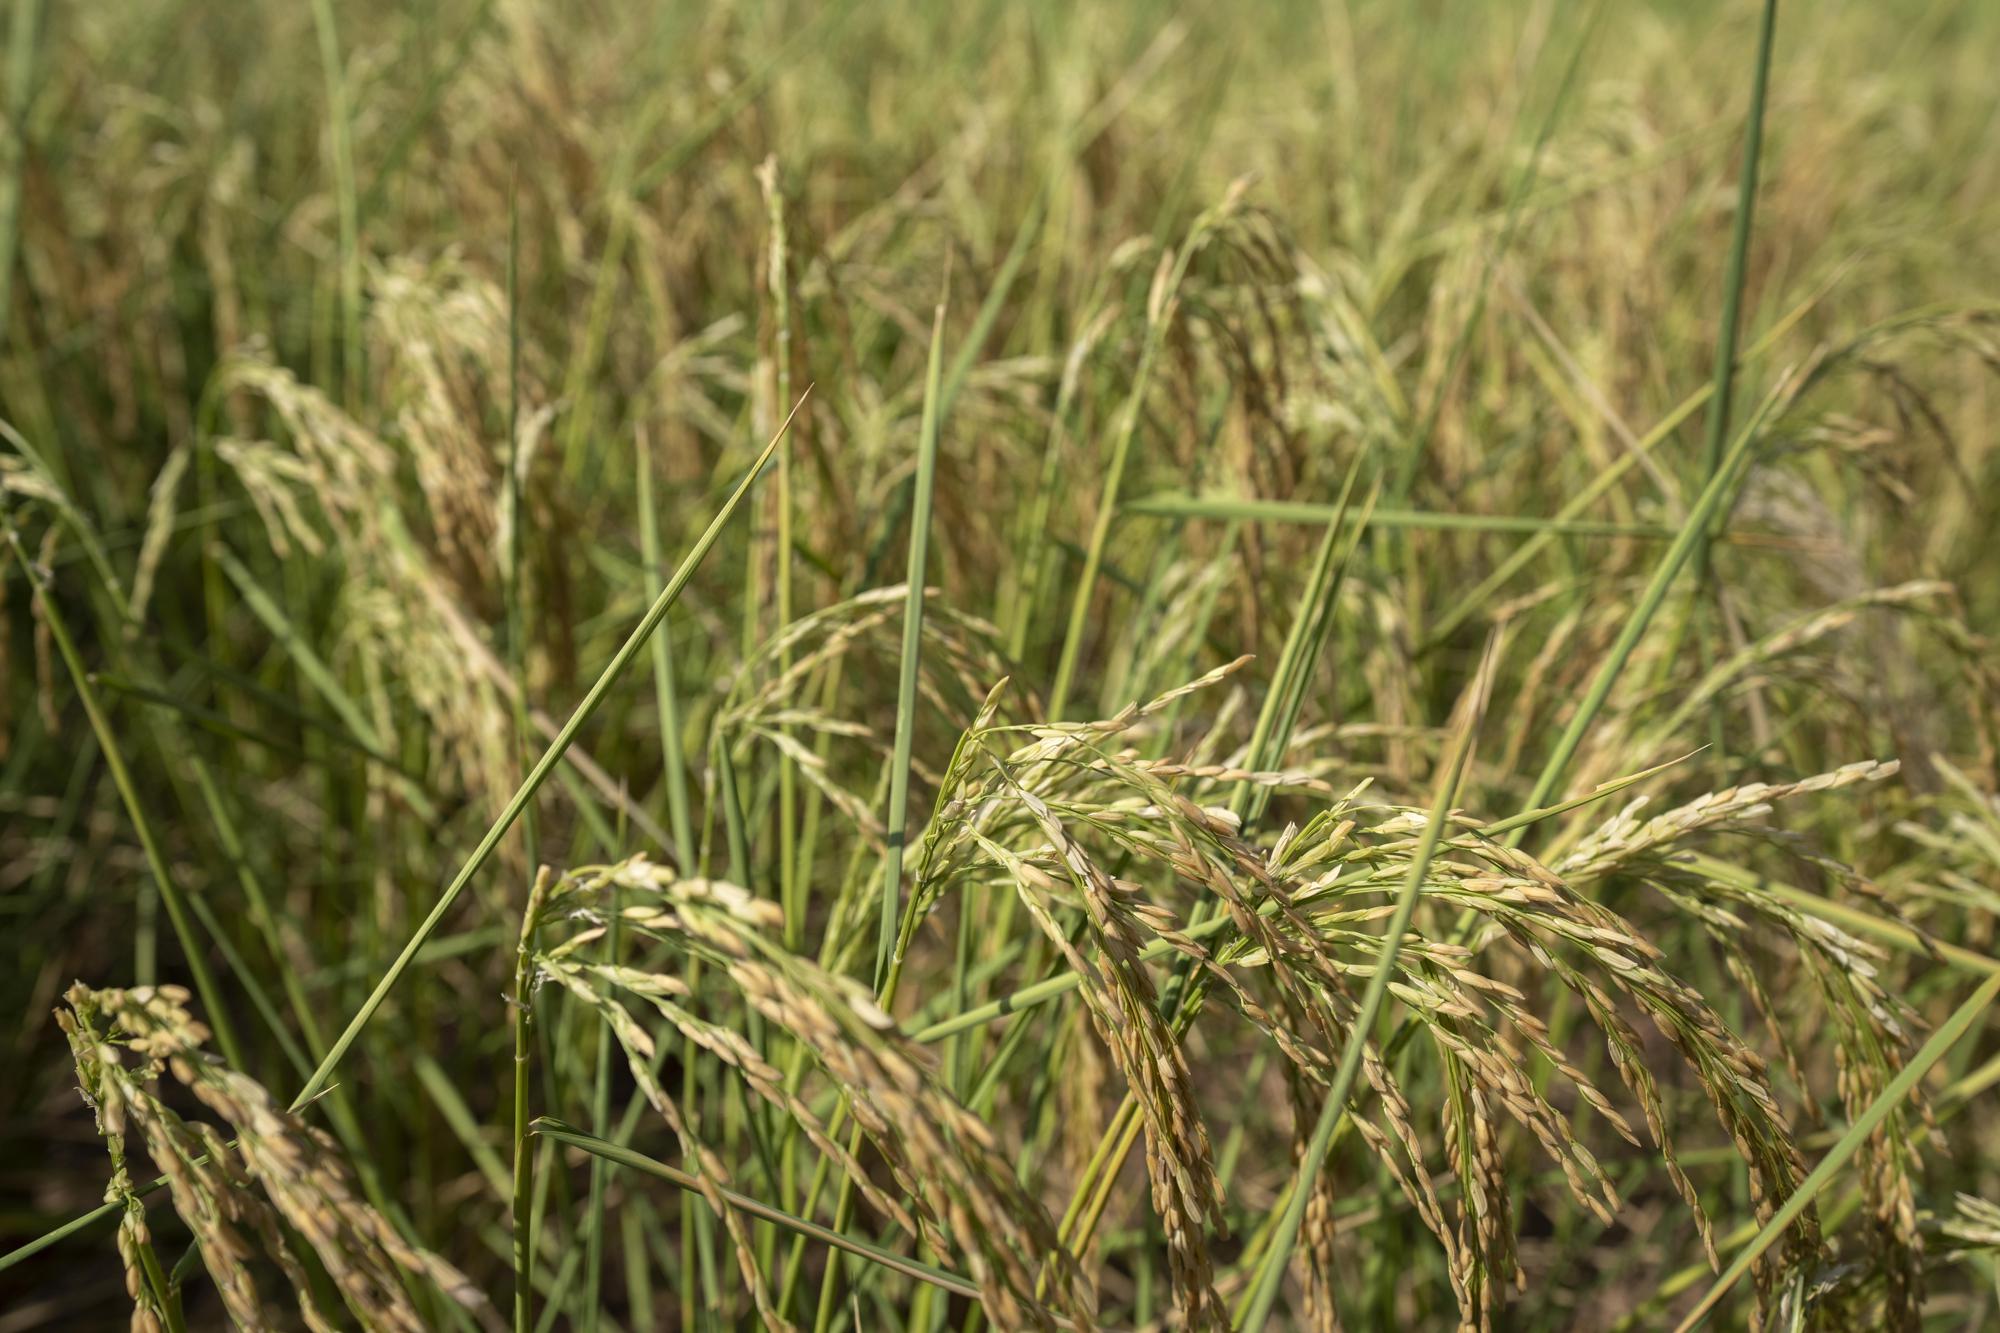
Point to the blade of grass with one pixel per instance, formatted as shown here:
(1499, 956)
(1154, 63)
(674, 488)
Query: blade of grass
(666, 694)
(636, 1161)
(1723, 388)
(887, 962)
(1271, 734)
(912, 652)
(1278, 719)
(1697, 608)
(1301, 511)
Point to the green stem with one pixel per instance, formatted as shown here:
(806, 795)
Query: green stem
(666, 694)
(524, 979)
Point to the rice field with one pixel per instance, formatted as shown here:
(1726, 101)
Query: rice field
(1130, 665)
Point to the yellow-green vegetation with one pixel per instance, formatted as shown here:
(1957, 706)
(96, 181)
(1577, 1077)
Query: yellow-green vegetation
(882, 666)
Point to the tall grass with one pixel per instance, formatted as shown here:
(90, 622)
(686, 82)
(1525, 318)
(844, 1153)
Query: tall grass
(1361, 811)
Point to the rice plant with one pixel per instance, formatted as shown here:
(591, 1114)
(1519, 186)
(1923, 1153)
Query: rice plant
(1019, 666)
